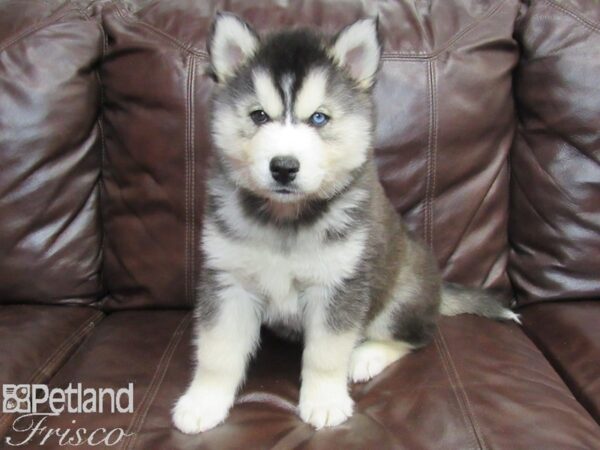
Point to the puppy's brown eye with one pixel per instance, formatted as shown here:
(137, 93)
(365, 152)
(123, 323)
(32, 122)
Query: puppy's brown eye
(259, 117)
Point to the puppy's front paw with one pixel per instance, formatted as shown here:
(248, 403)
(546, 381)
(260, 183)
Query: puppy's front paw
(325, 408)
(200, 411)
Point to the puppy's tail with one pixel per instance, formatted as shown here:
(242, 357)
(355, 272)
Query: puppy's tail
(457, 299)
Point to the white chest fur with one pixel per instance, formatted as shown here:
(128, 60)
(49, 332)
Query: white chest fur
(277, 269)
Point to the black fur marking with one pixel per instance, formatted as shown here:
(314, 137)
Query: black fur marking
(293, 52)
(212, 214)
(257, 208)
(415, 323)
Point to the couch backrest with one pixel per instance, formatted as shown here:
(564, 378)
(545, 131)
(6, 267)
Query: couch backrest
(50, 241)
(446, 124)
(555, 189)
(104, 143)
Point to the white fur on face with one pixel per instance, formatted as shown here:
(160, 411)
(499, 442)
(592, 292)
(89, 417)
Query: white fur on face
(357, 49)
(327, 155)
(267, 95)
(296, 140)
(348, 141)
(233, 43)
(311, 96)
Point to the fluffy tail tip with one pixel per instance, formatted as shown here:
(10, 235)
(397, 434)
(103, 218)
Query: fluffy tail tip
(507, 314)
(457, 299)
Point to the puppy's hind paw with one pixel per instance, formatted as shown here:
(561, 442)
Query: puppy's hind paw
(371, 357)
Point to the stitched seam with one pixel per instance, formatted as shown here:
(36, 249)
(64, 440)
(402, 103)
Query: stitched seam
(434, 152)
(171, 351)
(431, 156)
(461, 406)
(187, 186)
(58, 354)
(67, 343)
(155, 383)
(123, 14)
(429, 134)
(61, 349)
(29, 31)
(188, 194)
(582, 20)
(467, 403)
(193, 181)
(465, 31)
(470, 409)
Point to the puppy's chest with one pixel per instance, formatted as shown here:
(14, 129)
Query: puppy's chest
(279, 275)
(282, 273)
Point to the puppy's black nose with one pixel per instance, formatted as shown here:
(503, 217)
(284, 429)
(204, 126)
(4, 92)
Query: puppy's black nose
(284, 168)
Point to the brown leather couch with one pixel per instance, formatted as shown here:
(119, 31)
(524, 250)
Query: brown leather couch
(488, 143)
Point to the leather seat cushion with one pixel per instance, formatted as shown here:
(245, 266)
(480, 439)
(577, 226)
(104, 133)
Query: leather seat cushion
(35, 341)
(481, 384)
(568, 333)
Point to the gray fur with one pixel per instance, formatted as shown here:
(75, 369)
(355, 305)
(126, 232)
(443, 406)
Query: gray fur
(396, 290)
(326, 258)
(208, 289)
(457, 299)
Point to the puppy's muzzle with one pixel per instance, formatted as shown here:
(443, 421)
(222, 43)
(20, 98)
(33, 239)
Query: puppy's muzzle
(284, 169)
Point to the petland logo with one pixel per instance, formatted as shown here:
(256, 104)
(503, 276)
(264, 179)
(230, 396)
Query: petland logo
(36, 402)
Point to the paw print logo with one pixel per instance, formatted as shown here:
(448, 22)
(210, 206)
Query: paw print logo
(16, 398)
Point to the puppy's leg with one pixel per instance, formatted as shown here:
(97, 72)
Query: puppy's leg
(406, 322)
(223, 347)
(324, 397)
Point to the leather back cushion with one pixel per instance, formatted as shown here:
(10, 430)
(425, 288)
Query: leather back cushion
(555, 188)
(49, 154)
(446, 123)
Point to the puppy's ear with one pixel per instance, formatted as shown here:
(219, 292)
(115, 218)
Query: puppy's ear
(231, 43)
(357, 49)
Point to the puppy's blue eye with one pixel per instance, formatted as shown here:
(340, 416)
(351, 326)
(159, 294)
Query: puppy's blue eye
(318, 119)
(259, 117)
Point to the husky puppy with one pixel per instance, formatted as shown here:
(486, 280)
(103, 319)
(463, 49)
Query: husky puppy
(298, 234)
